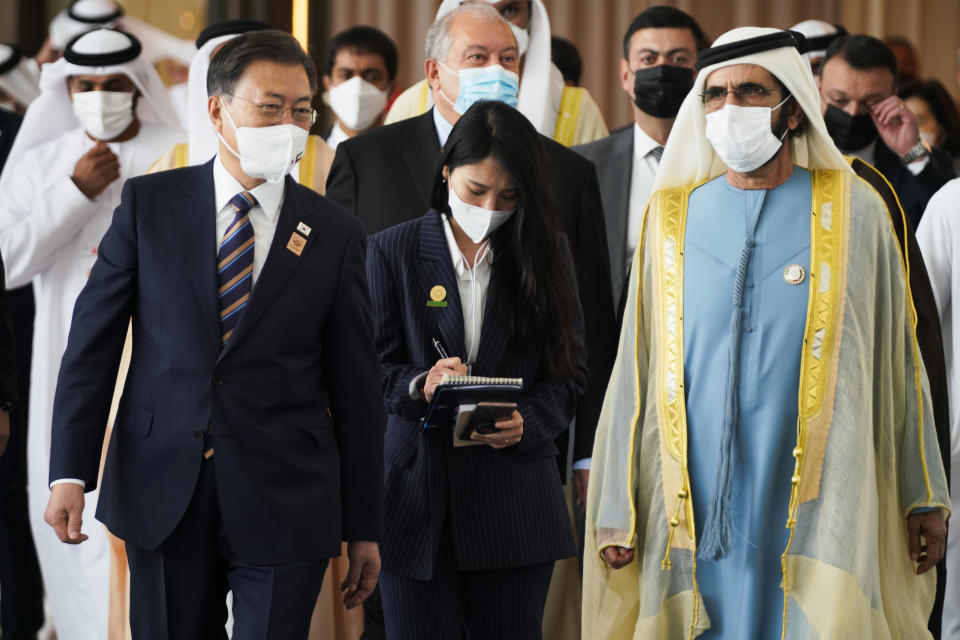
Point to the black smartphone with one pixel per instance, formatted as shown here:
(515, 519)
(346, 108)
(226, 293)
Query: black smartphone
(486, 414)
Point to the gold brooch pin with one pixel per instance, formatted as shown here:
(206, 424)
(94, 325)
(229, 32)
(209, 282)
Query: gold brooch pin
(297, 243)
(794, 274)
(437, 297)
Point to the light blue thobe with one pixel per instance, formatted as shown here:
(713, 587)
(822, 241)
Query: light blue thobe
(742, 591)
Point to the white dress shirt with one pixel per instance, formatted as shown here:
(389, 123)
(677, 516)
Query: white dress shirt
(869, 155)
(443, 127)
(645, 164)
(337, 135)
(263, 217)
(472, 284)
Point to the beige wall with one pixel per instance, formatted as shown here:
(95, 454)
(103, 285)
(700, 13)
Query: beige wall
(597, 27)
(9, 18)
(182, 18)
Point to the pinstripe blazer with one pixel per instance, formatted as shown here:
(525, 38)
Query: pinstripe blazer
(502, 508)
(384, 177)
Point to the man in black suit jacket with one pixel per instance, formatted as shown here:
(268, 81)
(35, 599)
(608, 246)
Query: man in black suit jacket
(21, 612)
(384, 177)
(867, 120)
(913, 190)
(656, 72)
(245, 449)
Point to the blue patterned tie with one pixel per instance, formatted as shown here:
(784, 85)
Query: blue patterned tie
(235, 265)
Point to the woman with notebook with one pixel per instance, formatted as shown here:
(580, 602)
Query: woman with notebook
(482, 285)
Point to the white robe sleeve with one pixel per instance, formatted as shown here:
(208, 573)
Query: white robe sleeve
(935, 236)
(38, 216)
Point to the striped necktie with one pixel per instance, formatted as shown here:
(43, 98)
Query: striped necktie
(657, 152)
(235, 265)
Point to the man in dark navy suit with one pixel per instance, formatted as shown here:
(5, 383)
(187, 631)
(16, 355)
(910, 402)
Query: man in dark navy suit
(249, 437)
(866, 119)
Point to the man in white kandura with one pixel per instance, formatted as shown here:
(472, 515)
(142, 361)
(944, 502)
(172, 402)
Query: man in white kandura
(102, 116)
(939, 238)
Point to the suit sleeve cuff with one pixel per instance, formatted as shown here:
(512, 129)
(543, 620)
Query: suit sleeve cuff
(68, 481)
(416, 386)
(924, 510)
(582, 464)
(917, 167)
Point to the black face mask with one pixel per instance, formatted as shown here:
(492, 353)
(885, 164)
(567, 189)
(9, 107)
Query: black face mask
(660, 90)
(849, 133)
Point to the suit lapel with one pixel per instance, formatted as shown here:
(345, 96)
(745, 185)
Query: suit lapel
(197, 224)
(616, 179)
(420, 155)
(280, 264)
(435, 268)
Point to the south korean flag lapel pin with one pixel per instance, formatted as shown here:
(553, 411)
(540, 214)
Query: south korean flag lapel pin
(298, 239)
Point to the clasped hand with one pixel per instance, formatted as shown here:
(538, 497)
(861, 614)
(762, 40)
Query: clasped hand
(95, 170)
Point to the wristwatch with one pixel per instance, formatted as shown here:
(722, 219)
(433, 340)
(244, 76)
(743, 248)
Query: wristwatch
(917, 152)
(8, 405)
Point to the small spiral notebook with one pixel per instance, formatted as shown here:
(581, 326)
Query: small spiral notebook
(454, 394)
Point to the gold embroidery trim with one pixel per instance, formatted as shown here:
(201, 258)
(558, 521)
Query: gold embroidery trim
(671, 404)
(671, 400)
(828, 232)
(424, 95)
(308, 162)
(182, 155)
(568, 115)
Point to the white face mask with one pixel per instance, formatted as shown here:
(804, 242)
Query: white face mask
(104, 114)
(476, 222)
(357, 103)
(742, 136)
(267, 153)
(523, 38)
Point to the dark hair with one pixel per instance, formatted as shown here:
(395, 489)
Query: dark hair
(228, 64)
(363, 39)
(540, 303)
(664, 17)
(863, 52)
(784, 92)
(565, 55)
(942, 107)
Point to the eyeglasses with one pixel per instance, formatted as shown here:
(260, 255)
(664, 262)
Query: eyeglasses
(753, 95)
(272, 112)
